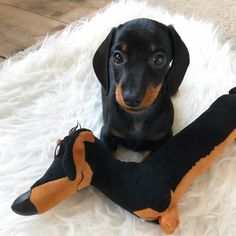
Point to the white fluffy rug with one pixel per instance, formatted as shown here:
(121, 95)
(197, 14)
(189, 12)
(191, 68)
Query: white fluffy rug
(51, 86)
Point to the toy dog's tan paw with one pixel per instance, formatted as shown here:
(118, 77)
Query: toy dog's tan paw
(169, 224)
(170, 220)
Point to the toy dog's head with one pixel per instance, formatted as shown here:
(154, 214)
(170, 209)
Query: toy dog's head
(69, 173)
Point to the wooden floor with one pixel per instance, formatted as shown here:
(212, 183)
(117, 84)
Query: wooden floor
(23, 22)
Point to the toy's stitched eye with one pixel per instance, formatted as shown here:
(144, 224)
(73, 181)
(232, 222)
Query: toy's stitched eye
(118, 57)
(159, 60)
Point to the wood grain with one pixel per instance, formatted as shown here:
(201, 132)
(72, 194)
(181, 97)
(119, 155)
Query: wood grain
(19, 29)
(62, 10)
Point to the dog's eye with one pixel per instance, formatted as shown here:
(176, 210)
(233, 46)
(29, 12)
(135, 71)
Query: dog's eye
(118, 57)
(159, 59)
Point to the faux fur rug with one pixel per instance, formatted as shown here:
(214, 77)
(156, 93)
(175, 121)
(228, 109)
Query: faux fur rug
(53, 85)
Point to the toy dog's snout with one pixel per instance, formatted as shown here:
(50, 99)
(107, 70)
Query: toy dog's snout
(23, 206)
(57, 185)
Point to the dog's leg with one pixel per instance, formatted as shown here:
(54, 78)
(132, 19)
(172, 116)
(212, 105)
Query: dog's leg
(146, 154)
(155, 145)
(107, 138)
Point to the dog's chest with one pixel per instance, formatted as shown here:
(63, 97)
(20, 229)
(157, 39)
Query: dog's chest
(135, 134)
(137, 126)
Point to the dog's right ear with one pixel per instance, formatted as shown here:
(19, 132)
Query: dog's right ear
(101, 61)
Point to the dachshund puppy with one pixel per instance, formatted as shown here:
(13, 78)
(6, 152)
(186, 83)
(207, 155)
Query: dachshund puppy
(140, 65)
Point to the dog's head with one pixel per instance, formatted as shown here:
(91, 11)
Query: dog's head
(137, 58)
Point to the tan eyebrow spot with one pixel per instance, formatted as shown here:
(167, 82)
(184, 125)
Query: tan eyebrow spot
(124, 47)
(153, 47)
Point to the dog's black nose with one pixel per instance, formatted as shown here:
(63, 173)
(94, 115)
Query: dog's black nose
(23, 206)
(132, 102)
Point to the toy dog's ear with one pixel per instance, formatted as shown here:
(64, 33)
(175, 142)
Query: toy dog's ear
(179, 64)
(74, 155)
(68, 161)
(101, 61)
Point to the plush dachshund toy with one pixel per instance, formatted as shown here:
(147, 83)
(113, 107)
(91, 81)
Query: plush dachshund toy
(151, 189)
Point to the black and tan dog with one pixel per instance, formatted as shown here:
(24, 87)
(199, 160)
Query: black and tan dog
(151, 189)
(140, 65)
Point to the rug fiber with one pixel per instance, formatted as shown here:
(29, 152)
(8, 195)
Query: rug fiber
(51, 86)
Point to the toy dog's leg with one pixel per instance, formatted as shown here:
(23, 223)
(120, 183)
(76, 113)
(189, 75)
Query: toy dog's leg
(169, 220)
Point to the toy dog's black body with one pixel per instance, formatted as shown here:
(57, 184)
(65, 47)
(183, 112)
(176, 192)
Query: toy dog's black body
(150, 189)
(140, 65)
(134, 185)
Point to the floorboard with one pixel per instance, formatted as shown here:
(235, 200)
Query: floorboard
(61, 10)
(20, 29)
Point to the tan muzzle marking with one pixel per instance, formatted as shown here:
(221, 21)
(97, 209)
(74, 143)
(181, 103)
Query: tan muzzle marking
(149, 97)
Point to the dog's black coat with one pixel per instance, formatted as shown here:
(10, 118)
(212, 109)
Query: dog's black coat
(148, 128)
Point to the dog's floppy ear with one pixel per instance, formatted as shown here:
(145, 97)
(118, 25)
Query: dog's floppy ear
(101, 61)
(179, 64)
